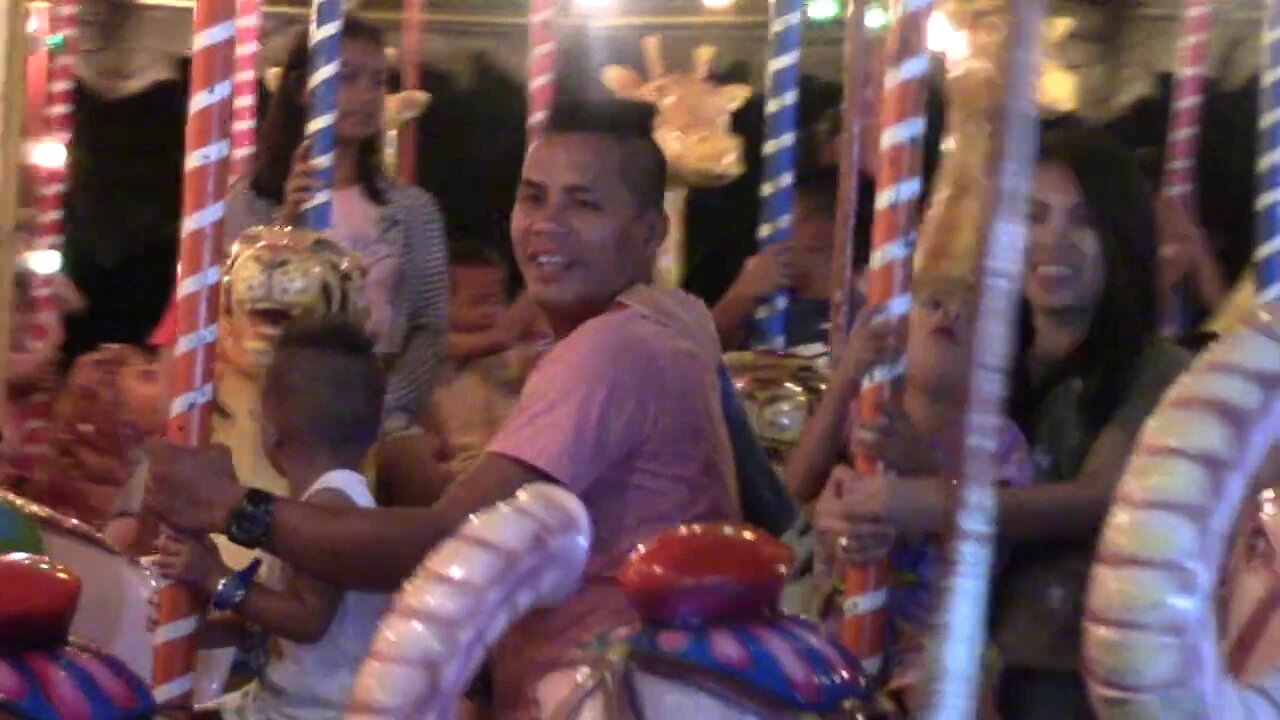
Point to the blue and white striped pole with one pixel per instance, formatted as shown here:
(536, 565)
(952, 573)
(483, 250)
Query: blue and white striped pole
(1267, 254)
(782, 92)
(325, 39)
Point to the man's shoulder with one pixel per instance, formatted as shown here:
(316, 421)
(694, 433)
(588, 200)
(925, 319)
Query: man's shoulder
(622, 333)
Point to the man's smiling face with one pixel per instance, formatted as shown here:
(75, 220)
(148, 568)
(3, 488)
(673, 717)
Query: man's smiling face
(580, 234)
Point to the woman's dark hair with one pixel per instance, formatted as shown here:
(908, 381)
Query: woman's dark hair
(1119, 203)
(282, 130)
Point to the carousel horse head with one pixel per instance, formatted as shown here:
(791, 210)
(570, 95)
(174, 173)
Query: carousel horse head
(1150, 637)
(694, 115)
(108, 404)
(275, 275)
(45, 675)
(712, 644)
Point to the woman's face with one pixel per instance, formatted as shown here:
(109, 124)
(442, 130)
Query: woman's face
(1065, 269)
(362, 82)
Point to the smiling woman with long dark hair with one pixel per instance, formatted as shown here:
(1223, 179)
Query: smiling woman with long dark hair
(397, 230)
(1093, 369)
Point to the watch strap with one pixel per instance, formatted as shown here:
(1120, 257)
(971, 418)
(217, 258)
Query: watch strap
(233, 589)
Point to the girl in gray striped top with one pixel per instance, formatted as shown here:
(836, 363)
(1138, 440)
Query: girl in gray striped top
(397, 230)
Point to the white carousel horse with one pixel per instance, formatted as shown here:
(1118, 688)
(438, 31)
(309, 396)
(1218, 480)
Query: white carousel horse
(1150, 636)
(115, 595)
(530, 552)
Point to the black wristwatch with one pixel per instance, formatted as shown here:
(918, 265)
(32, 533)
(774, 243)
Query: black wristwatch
(250, 522)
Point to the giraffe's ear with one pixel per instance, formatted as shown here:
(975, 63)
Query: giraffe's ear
(621, 80)
(734, 97)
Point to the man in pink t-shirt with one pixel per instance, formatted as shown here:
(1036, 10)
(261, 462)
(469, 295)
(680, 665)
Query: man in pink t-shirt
(624, 411)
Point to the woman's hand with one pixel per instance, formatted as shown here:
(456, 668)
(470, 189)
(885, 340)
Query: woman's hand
(190, 560)
(892, 440)
(851, 515)
(863, 507)
(299, 186)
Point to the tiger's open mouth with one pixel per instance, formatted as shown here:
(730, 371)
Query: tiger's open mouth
(269, 320)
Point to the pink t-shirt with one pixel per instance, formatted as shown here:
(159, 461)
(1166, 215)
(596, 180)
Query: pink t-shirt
(625, 413)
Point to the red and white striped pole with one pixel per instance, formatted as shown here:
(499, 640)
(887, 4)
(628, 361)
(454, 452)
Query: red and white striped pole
(410, 55)
(1182, 139)
(899, 187)
(37, 70)
(204, 182)
(244, 89)
(541, 67)
(35, 414)
(855, 72)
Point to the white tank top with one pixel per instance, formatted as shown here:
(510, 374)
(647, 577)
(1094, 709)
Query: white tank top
(307, 682)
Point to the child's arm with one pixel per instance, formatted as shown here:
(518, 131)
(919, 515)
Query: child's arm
(300, 613)
(303, 611)
(467, 345)
(217, 630)
(221, 630)
(823, 438)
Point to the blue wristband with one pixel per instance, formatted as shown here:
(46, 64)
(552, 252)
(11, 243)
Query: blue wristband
(234, 587)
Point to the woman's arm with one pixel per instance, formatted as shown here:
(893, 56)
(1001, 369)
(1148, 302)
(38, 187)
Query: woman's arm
(1070, 510)
(414, 372)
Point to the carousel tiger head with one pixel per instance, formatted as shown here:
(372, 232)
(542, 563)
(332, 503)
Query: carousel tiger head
(694, 115)
(275, 275)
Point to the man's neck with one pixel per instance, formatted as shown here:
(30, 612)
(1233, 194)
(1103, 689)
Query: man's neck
(565, 321)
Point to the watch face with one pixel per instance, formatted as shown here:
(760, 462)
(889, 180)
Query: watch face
(251, 520)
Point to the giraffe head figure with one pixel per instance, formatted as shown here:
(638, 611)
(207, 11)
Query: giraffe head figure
(693, 125)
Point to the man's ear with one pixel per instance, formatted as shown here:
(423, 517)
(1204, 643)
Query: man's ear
(656, 232)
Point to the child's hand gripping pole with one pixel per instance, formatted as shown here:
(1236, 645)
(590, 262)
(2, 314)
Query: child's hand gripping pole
(865, 573)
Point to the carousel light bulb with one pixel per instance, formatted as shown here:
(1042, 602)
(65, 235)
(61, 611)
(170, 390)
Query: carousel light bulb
(42, 262)
(822, 10)
(593, 5)
(717, 4)
(875, 18)
(47, 154)
(938, 32)
(33, 25)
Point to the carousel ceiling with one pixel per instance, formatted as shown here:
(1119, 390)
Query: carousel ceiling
(1113, 49)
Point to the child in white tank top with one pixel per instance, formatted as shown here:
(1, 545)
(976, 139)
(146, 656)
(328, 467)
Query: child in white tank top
(321, 410)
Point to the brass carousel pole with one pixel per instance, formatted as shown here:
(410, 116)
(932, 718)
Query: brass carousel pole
(12, 52)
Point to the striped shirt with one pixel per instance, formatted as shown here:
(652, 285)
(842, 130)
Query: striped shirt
(411, 220)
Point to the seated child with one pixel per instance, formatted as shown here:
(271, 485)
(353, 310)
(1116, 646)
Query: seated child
(321, 411)
(492, 347)
(923, 437)
(144, 394)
